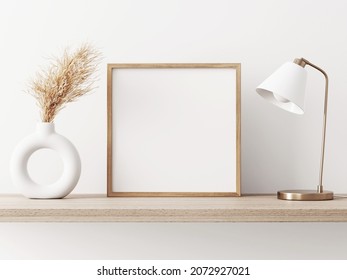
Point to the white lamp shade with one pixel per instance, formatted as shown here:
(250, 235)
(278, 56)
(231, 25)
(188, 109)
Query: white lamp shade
(286, 88)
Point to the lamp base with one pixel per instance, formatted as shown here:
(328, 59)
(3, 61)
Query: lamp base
(304, 195)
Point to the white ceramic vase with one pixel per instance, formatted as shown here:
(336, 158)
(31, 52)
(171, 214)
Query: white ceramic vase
(45, 137)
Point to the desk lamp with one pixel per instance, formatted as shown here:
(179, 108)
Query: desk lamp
(285, 88)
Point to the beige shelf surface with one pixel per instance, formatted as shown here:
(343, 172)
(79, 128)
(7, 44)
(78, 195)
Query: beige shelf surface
(99, 208)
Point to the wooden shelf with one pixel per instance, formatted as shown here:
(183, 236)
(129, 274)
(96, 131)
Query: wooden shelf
(99, 208)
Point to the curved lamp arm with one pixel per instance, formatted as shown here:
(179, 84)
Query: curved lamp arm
(303, 62)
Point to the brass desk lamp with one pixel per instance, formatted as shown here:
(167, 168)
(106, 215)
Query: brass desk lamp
(285, 88)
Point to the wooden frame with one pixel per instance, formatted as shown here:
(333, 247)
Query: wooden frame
(167, 72)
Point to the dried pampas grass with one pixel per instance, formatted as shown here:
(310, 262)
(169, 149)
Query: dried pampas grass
(67, 79)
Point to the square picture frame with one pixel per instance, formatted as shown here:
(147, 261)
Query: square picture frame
(174, 130)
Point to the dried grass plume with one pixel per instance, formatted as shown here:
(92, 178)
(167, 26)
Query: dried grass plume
(67, 79)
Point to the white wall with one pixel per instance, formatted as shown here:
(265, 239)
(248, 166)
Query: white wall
(279, 150)
(173, 241)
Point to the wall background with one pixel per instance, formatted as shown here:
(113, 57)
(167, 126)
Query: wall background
(279, 150)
